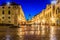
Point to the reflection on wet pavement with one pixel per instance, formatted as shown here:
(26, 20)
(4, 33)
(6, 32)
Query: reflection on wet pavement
(42, 32)
(52, 33)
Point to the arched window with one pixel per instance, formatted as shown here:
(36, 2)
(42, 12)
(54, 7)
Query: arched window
(3, 7)
(2, 17)
(9, 7)
(8, 17)
(9, 21)
(9, 12)
(3, 12)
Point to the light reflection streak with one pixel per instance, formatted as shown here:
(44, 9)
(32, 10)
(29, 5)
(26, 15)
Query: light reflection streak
(26, 32)
(8, 37)
(38, 30)
(31, 32)
(21, 31)
(38, 33)
(43, 29)
(38, 27)
(32, 27)
(52, 33)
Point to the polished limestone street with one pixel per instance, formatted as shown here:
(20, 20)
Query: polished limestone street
(39, 32)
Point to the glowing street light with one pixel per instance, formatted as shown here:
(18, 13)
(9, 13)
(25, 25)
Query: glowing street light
(8, 3)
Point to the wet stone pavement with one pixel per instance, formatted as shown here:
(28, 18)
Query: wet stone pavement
(40, 33)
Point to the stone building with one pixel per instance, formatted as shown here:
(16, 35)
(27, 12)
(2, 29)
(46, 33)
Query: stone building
(50, 15)
(10, 13)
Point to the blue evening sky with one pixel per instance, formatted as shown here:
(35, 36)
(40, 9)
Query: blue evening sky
(30, 7)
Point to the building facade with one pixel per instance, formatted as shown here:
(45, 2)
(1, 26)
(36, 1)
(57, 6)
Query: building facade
(50, 15)
(10, 14)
